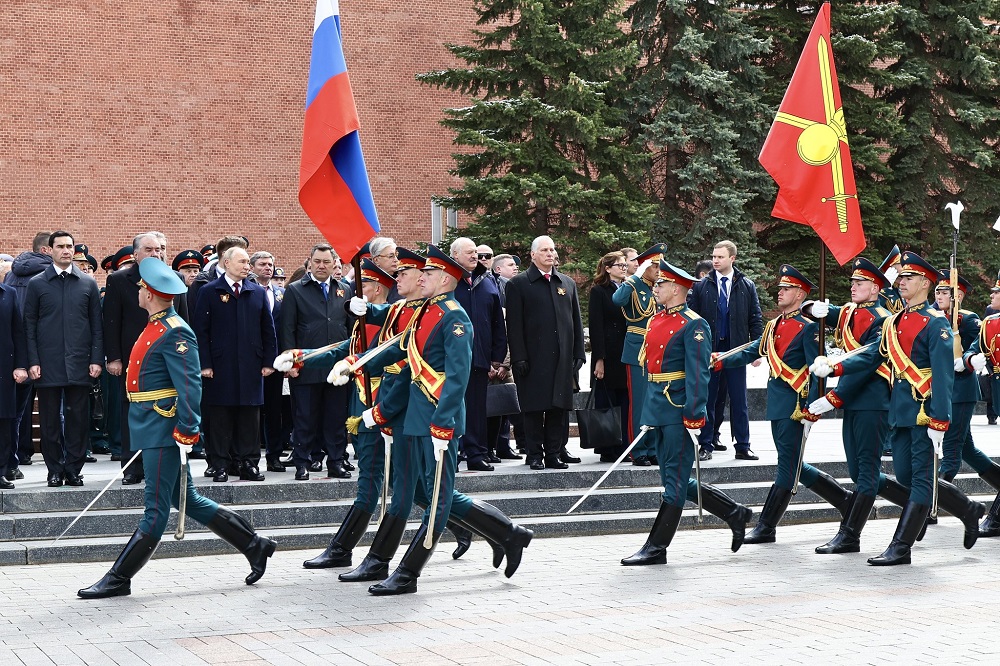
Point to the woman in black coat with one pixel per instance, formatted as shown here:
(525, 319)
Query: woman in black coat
(607, 338)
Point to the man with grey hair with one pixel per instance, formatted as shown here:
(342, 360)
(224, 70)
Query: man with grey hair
(383, 251)
(480, 298)
(124, 321)
(546, 351)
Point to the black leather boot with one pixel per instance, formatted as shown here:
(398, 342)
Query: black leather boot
(992, 475)
(736, 515)
(990, 527)
(234, 529)
(895, 492)
(774, 508)
(404, 579)
(463, 539)
(848, 539)
(654, 551)
(827, 487)
(486, 519)
(118, 581)
(955, 502)
(910, 523)
(338, 553)
(375, 566)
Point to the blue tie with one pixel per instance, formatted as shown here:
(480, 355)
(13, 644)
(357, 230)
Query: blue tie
(723, 311)
(326, 290)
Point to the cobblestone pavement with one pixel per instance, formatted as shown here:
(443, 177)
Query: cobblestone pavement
(570, 603)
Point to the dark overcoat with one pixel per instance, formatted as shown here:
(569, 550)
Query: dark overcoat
(480, 299)
(607, 336)
(544, 328)
(308, 321)
(12, 349)
(236, 339)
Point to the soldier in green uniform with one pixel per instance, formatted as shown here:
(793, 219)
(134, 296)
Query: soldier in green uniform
(163, 381)
(917, 341)
(864, 397)
(789, 342)
(987, 354)
(635, 298)
(676, 350)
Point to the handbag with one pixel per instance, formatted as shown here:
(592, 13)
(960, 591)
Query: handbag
(600, 428)
(501, 400)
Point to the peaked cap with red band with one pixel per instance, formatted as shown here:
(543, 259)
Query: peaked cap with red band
(372, 273)
(438, 260)
(944, 282)
(655, 253)
(670, 273)
(866, 270)
(912, 263)
(791, 277)
(891, 259)
(409, 259)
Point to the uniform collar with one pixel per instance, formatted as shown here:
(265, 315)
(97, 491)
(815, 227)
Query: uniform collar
(676, 308)
(792, 315)
(161, 314)
(867, 304)
(915, 308)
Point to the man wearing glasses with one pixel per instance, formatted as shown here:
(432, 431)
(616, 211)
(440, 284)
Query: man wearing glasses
(383, 251)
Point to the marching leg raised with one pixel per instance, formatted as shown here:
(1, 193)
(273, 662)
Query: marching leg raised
(237, 532)
(736, 515)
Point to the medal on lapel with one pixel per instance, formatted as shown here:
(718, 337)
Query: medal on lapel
(340, 293)
(224, 297)
(561, 291)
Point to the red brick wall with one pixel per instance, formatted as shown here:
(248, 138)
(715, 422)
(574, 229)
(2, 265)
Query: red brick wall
(186, 116)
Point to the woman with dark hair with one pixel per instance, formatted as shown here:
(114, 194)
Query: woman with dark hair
(607, 338)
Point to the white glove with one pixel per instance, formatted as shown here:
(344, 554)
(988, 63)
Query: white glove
(959, 365)
(185, 449)
(937, 437)
(340, 374)
(820, 406)
(977, 361)
(821, 367)
(388, 444)
(368, 418)
(284, 362)
(643, 267)
(440, 446)
(820, 309)
(891, 274)
(359, 306)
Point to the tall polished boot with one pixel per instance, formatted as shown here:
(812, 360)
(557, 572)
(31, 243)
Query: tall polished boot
(990, 527)
(827, 487)
(463, 539)
(463, 532)
(991, 475)
(955, 502)
(118, 581)
(484, 518)
(774, 508)
(234, 529)
(848, 539)
(654, 551)
(895, 492)
(736, 515)
(338, 553)
(404, 579)
(375, 566)
(911, 521)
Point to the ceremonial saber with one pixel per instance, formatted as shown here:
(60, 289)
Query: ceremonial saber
(385, 480)
(642, 431)
(321, 350)
(854, 352)
(934, 490)
(697, 478)
(806, 427)
(737, 350)
(374, 351)
(429, 538)
(182, 497)
(99, 495)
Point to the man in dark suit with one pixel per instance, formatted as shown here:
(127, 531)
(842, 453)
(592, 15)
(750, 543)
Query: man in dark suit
(313, 314)
(62, 324)
(262, 265)
(237, 345)
(124, 321)
(13, 361)
(545, 334)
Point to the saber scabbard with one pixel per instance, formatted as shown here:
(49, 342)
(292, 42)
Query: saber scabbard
(182, 496)
(429, 538)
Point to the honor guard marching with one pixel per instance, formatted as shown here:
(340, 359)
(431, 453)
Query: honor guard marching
(987, 348)
(889, 297)
(864, 397)
(438, 350)
(789, 343)
(675, 355)
(635, 298)
(163, 380)
(917, 342)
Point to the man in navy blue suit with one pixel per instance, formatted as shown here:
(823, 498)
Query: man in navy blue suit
(237, 345)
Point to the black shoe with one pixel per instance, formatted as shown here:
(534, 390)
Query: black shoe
(705, 454)
(102, 449)
(654, 461)
(250, 472)
(275, 467)
(90, 459)
(654, 551)
(567, 458)
(316, 466)
(719, 446)
(990, 527)
(5, 484)
(197, 455)
(463, 539)
(375, 566)
(338, 552)
(301, 474)
(337, 471)
(72, 479)
(641, 461)
(746, 454)
(24, 461)
(404, 579)
(479, 466)
(221, 476)
(537, 465)
(492, 459)
(507, 455)
(991, 421)
(116, 457)
(14, 474)
(118, 581)
(237, 532)
(555, 463)
(348, 466)
(209, 471)
(132, 479)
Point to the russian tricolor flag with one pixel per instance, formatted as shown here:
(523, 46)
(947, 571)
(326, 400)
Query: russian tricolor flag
(333, 183)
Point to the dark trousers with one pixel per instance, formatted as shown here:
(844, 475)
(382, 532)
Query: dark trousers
(720, 408)
(73, 427)
(135, 469)
(6, 445)
(163, 480)
(319, 417)
(739, 419)
(234, 435)
(270, 417)
(23, 447)
(473, 442)
(545, 433)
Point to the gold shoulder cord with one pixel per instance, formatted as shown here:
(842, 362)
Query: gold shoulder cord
(643, 312)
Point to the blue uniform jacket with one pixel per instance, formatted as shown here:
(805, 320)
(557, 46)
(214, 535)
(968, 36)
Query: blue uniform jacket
(678, 340)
